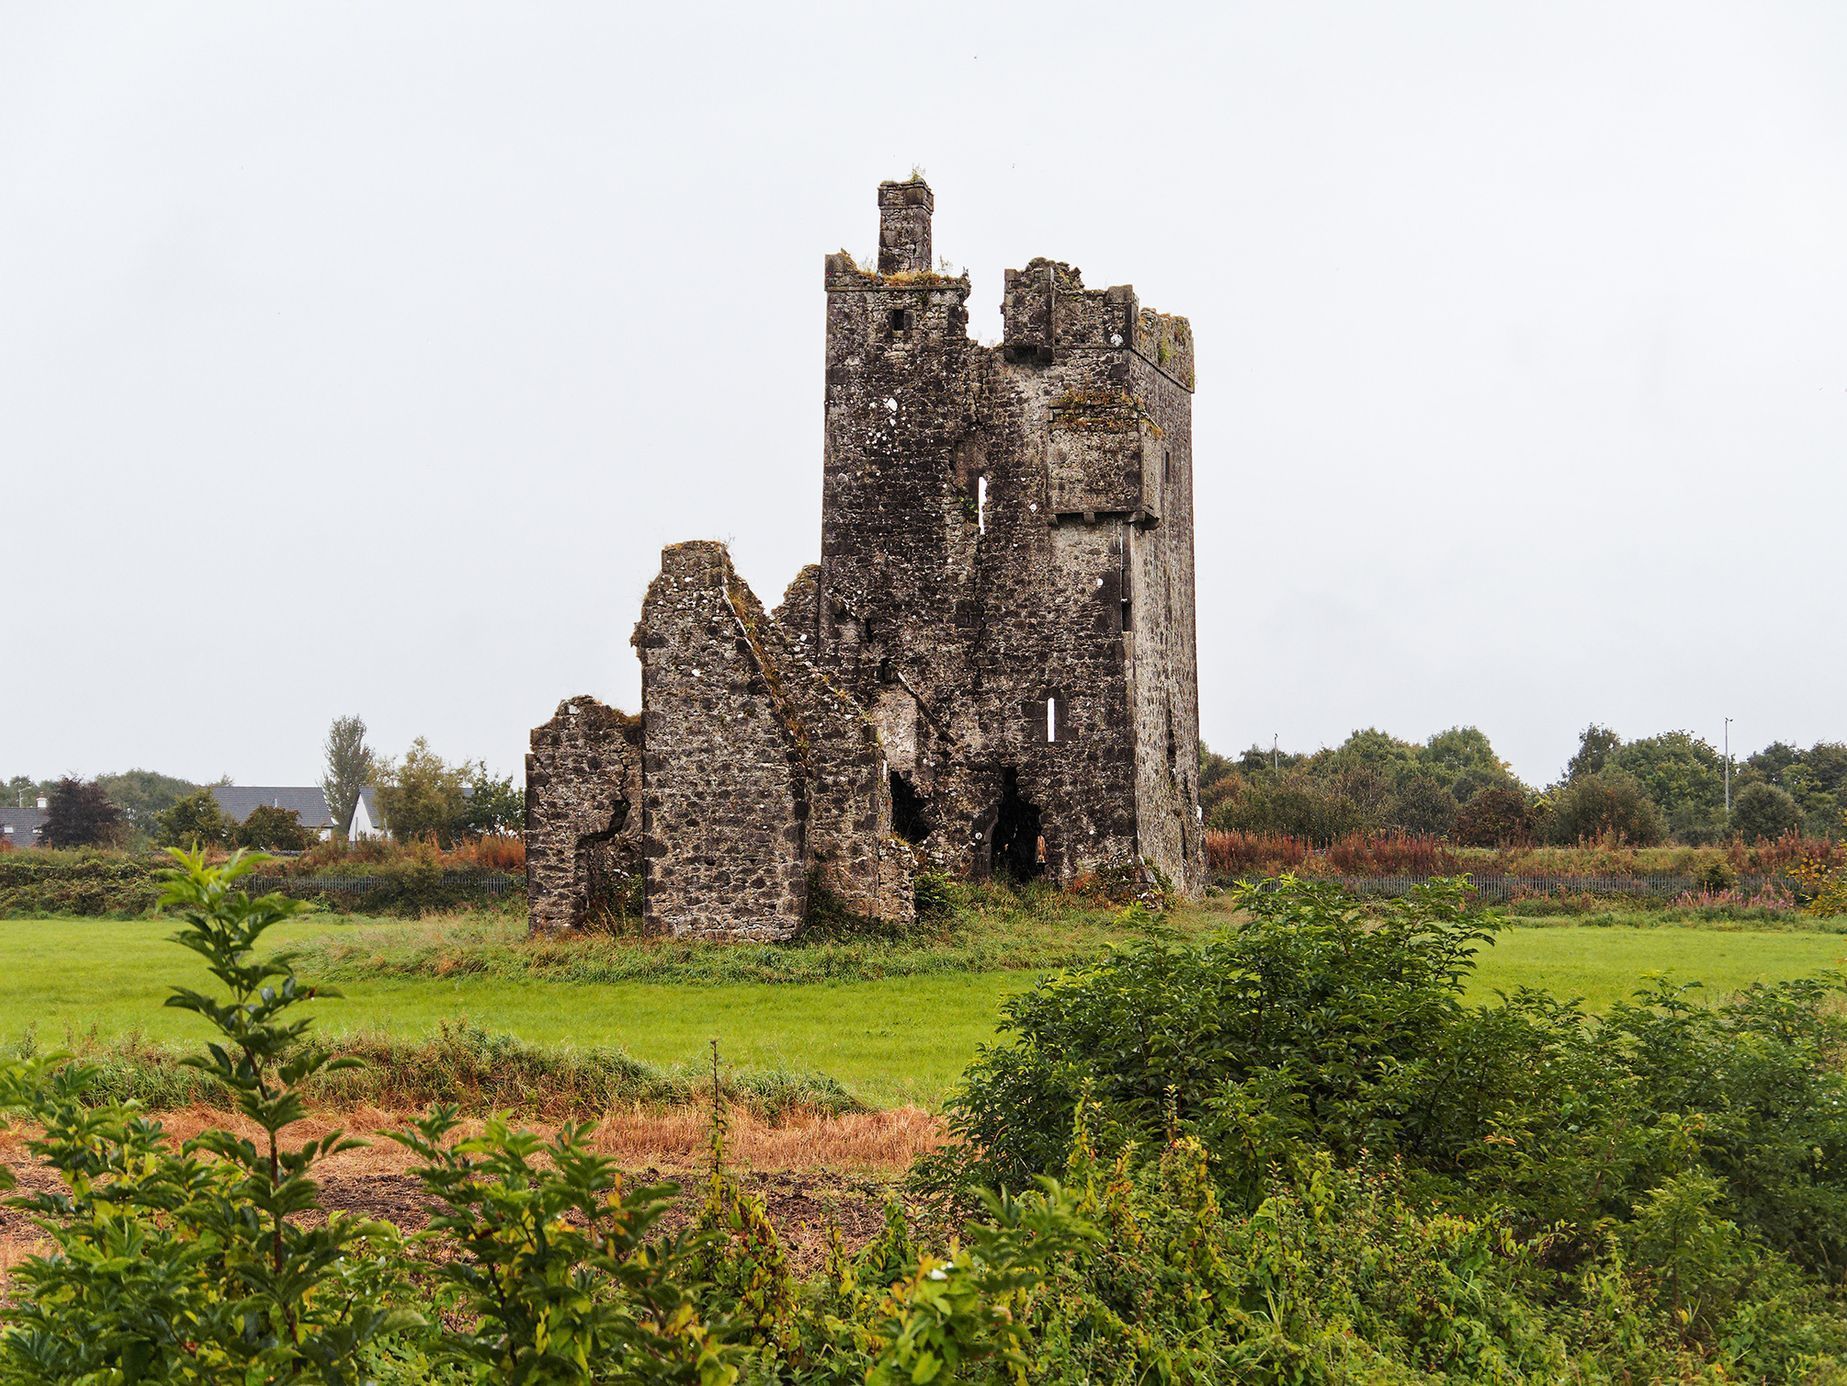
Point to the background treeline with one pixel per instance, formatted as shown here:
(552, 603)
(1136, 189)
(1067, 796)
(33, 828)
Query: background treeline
(420, 797)
(1668, 787)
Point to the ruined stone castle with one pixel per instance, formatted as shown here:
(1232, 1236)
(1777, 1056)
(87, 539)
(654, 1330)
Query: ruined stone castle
(991, 671)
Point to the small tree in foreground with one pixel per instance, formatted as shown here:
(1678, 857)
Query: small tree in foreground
(195, 1264)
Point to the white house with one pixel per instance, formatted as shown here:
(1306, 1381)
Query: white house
(365, 821)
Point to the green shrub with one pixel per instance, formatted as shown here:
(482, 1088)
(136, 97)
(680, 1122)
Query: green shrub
(1611, 804)
(272, 828)
(193, 821)
(1292, 804)
(935, 896)
(1496, 815)
(1692, 1158)
(554, 1274)
(1765, 812)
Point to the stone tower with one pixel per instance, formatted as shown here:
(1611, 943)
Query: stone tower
(992, 669)
(1006, 575)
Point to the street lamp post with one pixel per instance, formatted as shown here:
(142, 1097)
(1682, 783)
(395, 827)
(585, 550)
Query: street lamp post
(1728, 770)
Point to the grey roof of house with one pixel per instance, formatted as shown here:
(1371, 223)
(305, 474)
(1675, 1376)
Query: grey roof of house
(24, 822)
(307, 801)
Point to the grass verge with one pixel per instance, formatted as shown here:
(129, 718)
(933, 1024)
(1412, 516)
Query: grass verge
(468, 1068)
(992, 930)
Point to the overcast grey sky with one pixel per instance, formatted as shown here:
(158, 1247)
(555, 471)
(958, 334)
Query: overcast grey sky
(361, 358)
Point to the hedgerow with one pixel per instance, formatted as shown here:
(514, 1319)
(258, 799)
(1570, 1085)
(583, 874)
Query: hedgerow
(44, 881)
(403, 880)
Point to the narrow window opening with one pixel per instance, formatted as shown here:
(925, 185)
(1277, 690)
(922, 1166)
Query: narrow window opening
(1167, 466)
(981, 504)
(900, 319)
(908, 817)
(1055, 726)
(1124, 588)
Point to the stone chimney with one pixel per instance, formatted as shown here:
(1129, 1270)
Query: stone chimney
(904, 226)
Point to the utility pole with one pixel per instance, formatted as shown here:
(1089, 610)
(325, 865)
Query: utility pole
(1728, 769)
(1276, 754)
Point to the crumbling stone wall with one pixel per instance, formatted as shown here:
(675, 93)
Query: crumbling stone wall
(855, 864)
(762, 785)
(723, 802)
(583, 816)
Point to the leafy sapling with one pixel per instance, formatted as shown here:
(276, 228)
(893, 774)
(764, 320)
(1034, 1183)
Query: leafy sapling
(300, 1298)
(198, 1264)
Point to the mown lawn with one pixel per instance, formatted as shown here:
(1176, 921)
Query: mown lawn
(888, 1039)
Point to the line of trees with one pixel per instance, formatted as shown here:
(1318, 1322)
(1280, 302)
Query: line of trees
(420, 796)
(1454, 786)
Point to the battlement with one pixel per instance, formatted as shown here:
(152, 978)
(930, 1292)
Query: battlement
(1046, 310)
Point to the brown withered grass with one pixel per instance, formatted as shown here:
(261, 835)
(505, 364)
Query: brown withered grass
(848, 1157)
(881, 1142)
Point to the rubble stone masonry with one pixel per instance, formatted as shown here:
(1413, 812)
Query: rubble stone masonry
(992, 670)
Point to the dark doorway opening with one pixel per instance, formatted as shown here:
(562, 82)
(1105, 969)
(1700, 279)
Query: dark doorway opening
(1018, 841)
(609, 879)
(907, 811)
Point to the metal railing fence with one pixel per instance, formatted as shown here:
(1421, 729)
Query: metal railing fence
(1501, 889)
(494, 884)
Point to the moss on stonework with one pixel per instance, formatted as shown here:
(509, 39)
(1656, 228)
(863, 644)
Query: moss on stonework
(1171, 335)
(1103, 411)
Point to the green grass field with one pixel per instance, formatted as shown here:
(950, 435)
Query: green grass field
(889, 1039)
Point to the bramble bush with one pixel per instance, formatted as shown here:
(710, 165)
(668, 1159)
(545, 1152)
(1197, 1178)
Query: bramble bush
(1289, 1154)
